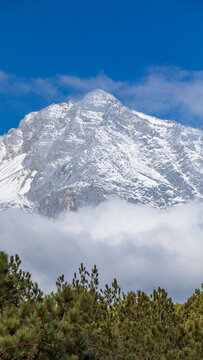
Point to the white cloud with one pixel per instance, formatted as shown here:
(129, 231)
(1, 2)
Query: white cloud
(101, 81)
(170, 90)
(141, 246)
(167, 92)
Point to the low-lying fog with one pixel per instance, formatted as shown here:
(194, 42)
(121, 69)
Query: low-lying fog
(141, 246)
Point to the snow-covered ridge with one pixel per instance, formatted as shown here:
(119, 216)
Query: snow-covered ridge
(72, 154)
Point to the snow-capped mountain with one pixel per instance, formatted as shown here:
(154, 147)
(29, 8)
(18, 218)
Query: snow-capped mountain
(83, 152)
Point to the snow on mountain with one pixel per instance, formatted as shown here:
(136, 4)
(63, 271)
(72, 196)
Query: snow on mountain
(82, 152)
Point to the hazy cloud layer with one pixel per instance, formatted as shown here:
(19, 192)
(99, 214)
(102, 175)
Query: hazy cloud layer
(167, 92)
(142, 247)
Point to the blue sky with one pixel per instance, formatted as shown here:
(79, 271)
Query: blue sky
(147, 53)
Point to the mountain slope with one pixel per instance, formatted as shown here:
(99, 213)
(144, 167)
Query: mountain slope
(83, 152)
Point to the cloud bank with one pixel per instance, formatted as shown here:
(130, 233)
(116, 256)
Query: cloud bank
(142, 247)
(167, 92)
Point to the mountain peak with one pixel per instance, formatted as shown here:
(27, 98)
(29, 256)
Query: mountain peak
(83, 152)
(98, 95)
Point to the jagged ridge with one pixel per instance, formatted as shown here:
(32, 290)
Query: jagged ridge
(83, 152)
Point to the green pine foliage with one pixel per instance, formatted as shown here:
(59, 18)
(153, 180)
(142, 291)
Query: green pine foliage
(81, 321)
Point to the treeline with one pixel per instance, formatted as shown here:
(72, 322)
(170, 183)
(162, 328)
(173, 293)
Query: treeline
(81, 321)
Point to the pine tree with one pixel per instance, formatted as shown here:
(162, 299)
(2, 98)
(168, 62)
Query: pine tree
(80, 321)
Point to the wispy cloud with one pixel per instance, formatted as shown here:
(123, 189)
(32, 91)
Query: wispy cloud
(167, 92)
(141, 246)
(101, 81)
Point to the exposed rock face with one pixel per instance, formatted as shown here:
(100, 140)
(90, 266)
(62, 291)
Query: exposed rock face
(83, 152)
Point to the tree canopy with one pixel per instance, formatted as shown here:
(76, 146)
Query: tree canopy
(82, 321)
